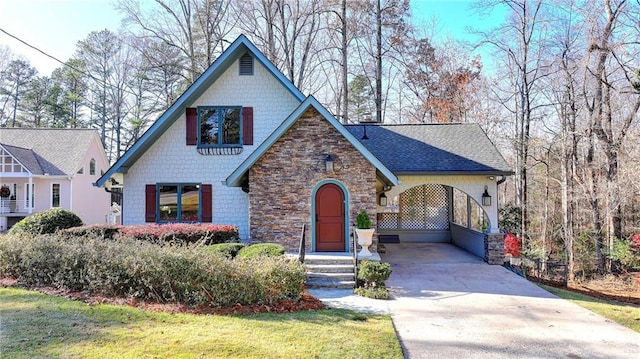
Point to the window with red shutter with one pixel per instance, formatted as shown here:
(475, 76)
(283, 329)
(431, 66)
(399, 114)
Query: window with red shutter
(206, 191)
(247, 125)
(150, 203)
(192, 126)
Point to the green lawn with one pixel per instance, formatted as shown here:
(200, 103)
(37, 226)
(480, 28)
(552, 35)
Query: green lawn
(625, 314)
(34, 325)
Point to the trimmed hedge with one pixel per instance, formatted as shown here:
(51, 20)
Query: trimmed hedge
(261, 250)
(176, 233)
(229, 250)
(47, 222)
(129, 267)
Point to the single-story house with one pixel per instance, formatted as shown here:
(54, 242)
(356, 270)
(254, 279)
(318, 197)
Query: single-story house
(42, 168)
(244, 146)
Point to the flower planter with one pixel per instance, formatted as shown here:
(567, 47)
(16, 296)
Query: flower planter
(365, 238)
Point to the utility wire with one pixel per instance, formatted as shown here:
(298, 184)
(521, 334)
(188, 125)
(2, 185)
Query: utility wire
(99, 81)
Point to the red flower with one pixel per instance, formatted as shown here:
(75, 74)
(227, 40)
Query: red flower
(512, 245)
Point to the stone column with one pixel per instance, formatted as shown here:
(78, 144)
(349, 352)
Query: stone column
(494, 248)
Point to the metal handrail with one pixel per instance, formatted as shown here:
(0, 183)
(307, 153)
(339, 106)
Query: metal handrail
(301, 250)
(355, 255)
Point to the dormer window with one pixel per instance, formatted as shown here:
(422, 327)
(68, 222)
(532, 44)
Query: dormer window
(246, 64)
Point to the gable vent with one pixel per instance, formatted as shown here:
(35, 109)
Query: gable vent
(246, 64)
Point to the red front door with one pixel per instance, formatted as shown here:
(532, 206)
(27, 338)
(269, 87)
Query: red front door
(330, 219)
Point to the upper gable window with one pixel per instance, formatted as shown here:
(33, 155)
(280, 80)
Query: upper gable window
(246, 64)
(92, 167)
(219, 126)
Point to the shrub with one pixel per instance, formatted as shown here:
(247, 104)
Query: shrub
(510, 218)
(512, 245)
(363, 221)
(105, 231)
(129, 267)
(626, 256)
(47, 222)
(373, 274)
(229, 250)
(182, 233)
(373, 293)
(261, 250)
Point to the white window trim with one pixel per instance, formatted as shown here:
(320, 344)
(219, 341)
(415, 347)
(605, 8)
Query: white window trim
(30, 201)
(51, 194)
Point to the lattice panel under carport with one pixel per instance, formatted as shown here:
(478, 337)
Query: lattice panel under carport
(424, 207)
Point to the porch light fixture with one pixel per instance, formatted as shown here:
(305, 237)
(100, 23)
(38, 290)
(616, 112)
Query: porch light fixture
(382, 200)
(328, 163)
(486, 198)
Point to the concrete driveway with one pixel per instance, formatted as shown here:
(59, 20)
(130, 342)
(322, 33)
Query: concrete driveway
(450, 304)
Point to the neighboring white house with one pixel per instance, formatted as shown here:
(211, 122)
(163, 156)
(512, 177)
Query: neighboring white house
(244, 146)
(44, 168)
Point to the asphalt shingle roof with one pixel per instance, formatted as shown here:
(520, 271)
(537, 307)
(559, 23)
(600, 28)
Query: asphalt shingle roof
(432, 148)
(47, 150)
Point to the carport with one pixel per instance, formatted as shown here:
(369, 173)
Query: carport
(434, 213)
(447, 190)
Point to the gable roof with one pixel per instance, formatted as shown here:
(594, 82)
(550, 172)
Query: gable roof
(433, 148)
(235, 179)
(32, 162)
(238, 48)
(53, 151)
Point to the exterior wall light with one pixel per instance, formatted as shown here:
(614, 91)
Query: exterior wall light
(382, 200)
(486, 198)
(328, 163)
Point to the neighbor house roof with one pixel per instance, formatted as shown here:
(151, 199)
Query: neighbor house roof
(238, 48)
(47, 150)
(432, 148)
(32, 161)
(235, 179)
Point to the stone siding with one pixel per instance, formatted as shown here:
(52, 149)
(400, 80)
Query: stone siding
(283, 180)
(494, 248)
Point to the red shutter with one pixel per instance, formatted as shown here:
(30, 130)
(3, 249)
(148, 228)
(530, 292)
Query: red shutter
(247, 125)
(192, 126)
(150, 203)
(207, 204)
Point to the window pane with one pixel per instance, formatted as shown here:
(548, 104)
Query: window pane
(168, 203)
(55, 195)
(190, 202)
(92, 167)
(231, 126)
(208, 118)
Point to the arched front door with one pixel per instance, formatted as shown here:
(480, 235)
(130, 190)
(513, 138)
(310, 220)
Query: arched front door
(330, 211)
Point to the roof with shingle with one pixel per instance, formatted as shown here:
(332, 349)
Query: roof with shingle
(432, 148)
(47, 150)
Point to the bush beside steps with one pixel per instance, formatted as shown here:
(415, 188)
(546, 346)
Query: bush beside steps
(371, 278)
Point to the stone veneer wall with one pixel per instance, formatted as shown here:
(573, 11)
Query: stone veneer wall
(281, 183)
(494, 248)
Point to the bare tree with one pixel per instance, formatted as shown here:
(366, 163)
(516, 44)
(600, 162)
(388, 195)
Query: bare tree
(610, 74)
(519, 42)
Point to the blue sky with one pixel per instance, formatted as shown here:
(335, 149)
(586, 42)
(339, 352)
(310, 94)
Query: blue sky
(55, 26)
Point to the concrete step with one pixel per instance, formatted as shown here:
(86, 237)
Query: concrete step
(329, 268)
(330, 283)
(337, 260)
(331, 276)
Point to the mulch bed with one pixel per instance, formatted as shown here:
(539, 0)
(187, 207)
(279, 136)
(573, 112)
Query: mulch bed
(306, 302)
